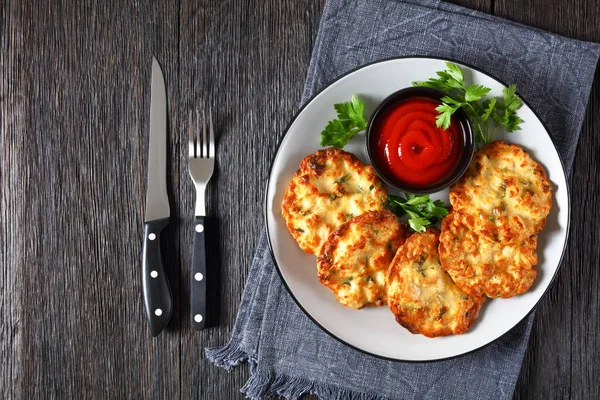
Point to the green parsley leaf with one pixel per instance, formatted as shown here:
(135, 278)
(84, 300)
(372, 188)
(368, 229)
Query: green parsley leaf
(509, 92)
(350, 120)
(421, 210)
(456, 73)
(489, 106)
(414, 200)
(475, 92)
(335, 134)
(411, 213)
(448, 81)
(512, 123)
(418, 224)
(440, 203)
(449, 100)
(351, 113)
(437, 210)
(511, 101)
(432, 83)
(485, 114)
(444, 117)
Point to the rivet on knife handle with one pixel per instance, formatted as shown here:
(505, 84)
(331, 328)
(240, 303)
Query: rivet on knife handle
(157, 292)
(198, 284)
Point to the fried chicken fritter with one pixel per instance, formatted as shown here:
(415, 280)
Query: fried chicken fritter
(422, 296)
(504, 195)
(483, 267)
(330, 187)
(355, 258)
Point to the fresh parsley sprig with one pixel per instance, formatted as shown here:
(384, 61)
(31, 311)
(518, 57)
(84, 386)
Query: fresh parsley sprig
(422, 211)
(350, 120)
(486, 114)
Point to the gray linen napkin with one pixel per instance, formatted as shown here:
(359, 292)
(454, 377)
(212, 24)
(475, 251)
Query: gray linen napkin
(288, 354)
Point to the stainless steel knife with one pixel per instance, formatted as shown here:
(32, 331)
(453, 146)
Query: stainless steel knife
(158, 299)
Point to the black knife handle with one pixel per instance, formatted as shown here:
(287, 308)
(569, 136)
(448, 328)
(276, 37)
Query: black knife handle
(198, 276)
(157, 292)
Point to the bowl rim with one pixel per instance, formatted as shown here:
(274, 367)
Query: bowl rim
(466, 128)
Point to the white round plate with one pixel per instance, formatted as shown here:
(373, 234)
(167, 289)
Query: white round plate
(373, 330)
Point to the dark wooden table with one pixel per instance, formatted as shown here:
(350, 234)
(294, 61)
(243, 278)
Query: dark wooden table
(74, 100)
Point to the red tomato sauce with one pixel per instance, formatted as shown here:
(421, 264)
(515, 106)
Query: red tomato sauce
(411, 148)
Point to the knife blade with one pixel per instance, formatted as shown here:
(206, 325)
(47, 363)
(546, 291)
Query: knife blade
(158, 299)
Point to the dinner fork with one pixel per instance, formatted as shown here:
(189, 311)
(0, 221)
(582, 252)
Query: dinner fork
(201, 163)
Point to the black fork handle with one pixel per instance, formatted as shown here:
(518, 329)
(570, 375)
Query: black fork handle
(198, 276)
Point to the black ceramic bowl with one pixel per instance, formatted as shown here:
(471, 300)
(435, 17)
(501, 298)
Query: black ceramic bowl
(372, 134)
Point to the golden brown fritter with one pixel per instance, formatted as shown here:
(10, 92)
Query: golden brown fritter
(422, 296)
(504, 196)
(330, 187)
(483, 267)
(355, 258)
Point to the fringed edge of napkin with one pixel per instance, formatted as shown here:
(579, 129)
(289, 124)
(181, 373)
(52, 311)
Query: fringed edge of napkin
(261, 385)
(229, 355)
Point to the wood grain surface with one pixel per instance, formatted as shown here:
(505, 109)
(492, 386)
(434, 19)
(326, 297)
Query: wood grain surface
(74, 100)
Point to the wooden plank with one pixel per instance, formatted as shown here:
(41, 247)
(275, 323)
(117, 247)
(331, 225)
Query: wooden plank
(583, 276)
(82, 156)
(12, 188)
(247, 63)
(562, 357)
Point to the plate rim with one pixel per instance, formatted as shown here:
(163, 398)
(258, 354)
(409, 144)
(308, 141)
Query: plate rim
(266, 207)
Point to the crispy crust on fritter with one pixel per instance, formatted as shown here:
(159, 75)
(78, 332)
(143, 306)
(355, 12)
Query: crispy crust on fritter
(355, 258)
(422, 296)
(330, 187)
(483, 267)
(504, 195)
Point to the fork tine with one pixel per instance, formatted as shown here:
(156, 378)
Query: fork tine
(204, 142)
(197, 131)
(212, 135)
(191, 150)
